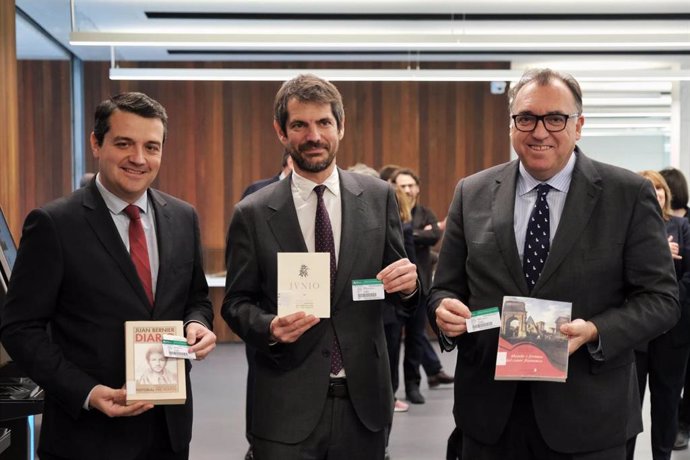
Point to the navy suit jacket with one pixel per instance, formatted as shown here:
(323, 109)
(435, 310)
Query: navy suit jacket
(73, 287)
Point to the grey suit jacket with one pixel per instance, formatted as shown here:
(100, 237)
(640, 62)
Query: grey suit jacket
(292, 379)
(74, 275)
(608, 257)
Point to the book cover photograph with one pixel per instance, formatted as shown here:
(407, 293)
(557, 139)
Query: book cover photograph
(530, 344)
(151, 376)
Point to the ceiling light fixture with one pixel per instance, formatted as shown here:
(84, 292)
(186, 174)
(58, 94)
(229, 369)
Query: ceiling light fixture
(206, 74)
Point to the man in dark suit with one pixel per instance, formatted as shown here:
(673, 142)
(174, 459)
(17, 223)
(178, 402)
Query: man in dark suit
(322, 387)
(74, 285)
(418, 349)
(608, 256)
(286, 165)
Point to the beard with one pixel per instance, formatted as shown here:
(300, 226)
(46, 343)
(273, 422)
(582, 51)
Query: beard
(305, 164)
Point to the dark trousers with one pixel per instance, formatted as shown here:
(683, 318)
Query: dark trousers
(665, 365)
(684, 406)
(156, 447)
(393, 332)
(339, 435)
(521, 440)
(249, 404)
(418, 349)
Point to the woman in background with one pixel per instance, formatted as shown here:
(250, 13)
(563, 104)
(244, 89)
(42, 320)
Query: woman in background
(665, 358)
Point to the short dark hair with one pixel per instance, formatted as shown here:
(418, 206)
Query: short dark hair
(136, 103)
(308, 88)
(387, 171)
(543, 77)
(678, 185)
(406, 171)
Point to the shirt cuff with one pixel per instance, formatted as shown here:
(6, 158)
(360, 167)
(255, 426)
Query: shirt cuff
(88, 397)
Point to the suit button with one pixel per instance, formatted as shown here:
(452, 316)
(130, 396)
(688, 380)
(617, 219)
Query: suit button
(325, 353)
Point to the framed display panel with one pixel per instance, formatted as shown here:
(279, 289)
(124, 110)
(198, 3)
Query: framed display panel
(8, 250)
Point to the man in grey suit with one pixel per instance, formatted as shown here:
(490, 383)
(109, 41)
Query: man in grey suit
(80, 275)
(322, 386)
(608, 256)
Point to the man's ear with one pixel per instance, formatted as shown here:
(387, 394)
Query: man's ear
(282, 137)
(341, 133)
(94, 145)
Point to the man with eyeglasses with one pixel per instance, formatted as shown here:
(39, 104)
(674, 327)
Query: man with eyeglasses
(605, 254)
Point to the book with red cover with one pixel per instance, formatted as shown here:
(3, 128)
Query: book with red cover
(530, 344)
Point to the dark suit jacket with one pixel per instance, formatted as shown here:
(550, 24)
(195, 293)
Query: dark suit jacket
(679, 228)
(258, 185)
(74, 274)
(292, 379)
(609, 257)
(424, 240)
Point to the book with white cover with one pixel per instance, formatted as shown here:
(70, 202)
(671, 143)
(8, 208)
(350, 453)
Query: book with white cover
(304, 283)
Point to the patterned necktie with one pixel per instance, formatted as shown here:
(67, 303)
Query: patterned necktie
(138, 250)
(323, 239)
(537, 238)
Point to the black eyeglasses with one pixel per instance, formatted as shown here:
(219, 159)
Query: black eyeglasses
(553, 122)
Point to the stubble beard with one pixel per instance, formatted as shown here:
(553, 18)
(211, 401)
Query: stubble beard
(305, 165)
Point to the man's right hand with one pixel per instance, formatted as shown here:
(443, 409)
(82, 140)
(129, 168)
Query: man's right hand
(451, 317)
(289, 328)
(113, 403)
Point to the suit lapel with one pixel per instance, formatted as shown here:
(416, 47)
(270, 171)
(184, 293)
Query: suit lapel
(503, 206)
(583, 195)
(353, 216)
(165, 241)
(282, 219)
(98, 217)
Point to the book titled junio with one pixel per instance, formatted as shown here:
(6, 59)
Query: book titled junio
(151, 376)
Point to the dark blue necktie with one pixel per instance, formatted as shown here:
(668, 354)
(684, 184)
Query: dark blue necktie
(537, 238)
(323, 242)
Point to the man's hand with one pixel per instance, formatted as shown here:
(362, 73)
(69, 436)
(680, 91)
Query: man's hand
(451, 317)
(201, 340)
(400, 276)
(579, 332)
(289, 328)
(113, 403)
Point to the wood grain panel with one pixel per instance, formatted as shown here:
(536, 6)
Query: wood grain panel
(221, 138)
(45, 165)
(9, 118)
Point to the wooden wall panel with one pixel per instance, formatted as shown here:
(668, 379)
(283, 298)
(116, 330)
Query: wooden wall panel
(45, 164)
(221, 138)
(9, 118)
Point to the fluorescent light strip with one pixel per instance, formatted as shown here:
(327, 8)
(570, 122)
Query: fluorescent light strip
(381, 75)
(386, 41)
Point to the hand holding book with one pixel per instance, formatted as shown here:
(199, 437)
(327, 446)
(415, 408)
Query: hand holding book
(579, 332)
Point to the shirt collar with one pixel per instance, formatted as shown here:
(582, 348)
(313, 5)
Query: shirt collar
(116, 204)
(304, 186)
(560, 182)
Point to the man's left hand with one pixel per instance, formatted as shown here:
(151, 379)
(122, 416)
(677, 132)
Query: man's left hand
(400, 276)
(579, 332)
(201, 340)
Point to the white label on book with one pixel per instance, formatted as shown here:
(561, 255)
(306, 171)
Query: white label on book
(501, 358)
(369, 289)
(481, 320)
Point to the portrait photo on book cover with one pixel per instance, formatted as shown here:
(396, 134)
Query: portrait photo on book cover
(152, 369)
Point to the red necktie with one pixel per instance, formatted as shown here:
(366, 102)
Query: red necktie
(138, 249)
(323, 242)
